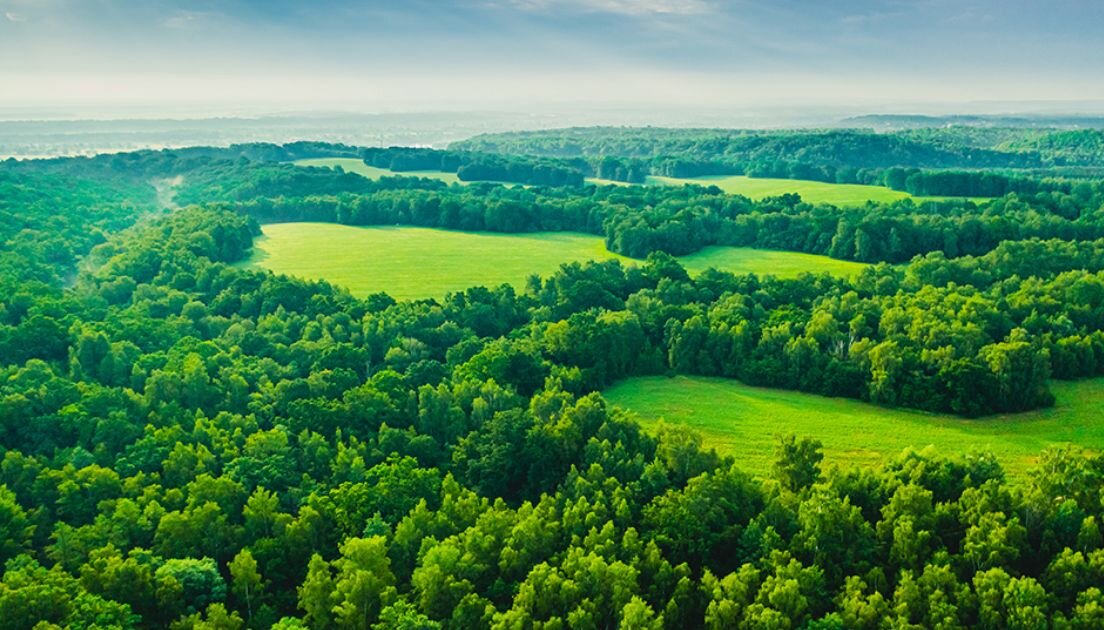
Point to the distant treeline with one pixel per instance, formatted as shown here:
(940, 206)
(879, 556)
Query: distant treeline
(953, 162)
(950, 148)
(474, 167)
(639, 220)
(635, 220)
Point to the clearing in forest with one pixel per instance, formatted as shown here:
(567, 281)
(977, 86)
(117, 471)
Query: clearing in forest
(413, 262)
(743, 421)
(353, 165)
(812, 192)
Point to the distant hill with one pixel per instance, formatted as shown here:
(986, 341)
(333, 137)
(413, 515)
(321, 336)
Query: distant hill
(895, 122)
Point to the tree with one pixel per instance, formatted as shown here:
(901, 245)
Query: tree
(364, 582)
(187, 586)
(15, 528)
(637, 615)
(246, 581)
(797, 463)
(316, 593)
(995, 541)
(401, 615)
(1021, 373)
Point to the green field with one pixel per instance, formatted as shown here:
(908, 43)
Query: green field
(743, 421)
(353, 165)
(766, 261)
(409, 262)
(754, 188)
(812, 192)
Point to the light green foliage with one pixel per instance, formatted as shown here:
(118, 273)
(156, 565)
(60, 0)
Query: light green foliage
(743, 421)
(15, 527)
(364, 583)
(316, 593)
(246, 582)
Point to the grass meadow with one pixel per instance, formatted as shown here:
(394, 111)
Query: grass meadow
(812, 192)
(411, 262)
(353, 165)
(744, 421)
(767, 262)
(753, 188)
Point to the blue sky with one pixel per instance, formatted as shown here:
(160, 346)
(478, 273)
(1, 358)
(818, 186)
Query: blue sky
(485, 53)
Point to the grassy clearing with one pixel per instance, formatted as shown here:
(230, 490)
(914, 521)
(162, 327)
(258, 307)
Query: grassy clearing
(754, 188)
(598, 181)
(765, 261)
(352, 165)
(409, 262)
(743, 421)
(812, 192)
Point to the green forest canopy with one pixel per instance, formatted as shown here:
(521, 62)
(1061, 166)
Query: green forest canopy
(188, 444)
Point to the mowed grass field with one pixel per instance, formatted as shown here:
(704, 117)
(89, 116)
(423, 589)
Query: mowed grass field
(753, 188)
(411, 263)
(766, 261)
(812, 192)
(353, 165)
(744, 421)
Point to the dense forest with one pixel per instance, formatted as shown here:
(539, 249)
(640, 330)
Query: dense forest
(188, 444)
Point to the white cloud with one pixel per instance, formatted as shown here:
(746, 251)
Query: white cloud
(620, 7)
(183, 19)
(15, 17)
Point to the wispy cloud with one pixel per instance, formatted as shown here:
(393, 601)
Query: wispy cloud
(184, 19)
(868, 19)
(618, 7)
(12, 16)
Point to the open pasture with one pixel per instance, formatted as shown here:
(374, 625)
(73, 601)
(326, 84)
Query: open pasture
(810, 191)
(744, 421)
(412, 262)
(353, 165)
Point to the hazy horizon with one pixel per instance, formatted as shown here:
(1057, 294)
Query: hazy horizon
(926, 56)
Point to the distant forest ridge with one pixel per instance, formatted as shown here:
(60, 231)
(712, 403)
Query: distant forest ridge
(1025, 121)
(852, 156)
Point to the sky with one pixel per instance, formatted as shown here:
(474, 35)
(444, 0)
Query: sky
(403, 55)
